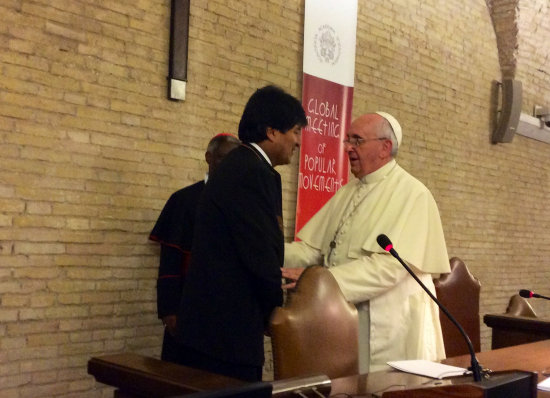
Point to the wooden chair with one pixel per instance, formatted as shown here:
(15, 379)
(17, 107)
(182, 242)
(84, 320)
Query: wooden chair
(519, 306)
(459, 292)
(316, 332)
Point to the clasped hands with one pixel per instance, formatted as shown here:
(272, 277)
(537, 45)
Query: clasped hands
(291, 275)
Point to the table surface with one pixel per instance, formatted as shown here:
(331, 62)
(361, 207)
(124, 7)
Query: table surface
(143, 374)
(532, 357)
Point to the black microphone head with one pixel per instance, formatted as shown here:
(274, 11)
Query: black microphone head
(384, 242)
(526, 293)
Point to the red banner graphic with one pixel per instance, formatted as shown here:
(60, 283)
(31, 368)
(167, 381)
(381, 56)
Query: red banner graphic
(324, 165)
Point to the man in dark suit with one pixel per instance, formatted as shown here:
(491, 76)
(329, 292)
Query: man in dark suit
(174, 231)
(234, 280)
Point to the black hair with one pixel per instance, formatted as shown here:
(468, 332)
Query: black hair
(270, 106)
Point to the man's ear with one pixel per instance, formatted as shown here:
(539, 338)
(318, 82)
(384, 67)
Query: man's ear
(270, 133)
(388, 145)
(208, 158)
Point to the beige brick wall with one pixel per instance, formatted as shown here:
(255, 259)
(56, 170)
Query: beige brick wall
(90, 149)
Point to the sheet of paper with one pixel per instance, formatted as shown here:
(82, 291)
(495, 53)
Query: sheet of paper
(431, 369)
(544, 385)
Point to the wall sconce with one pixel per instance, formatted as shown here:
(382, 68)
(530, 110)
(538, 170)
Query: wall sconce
(508, 114)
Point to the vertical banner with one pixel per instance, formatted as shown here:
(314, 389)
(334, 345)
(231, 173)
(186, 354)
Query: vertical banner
(327, 95)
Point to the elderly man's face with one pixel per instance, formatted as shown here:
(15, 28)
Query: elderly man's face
(366, 150)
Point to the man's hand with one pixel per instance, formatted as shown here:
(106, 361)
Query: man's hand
(169, 322)
(291, 275)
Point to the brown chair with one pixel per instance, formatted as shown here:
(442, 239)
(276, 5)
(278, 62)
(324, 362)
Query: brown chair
(316, 332)
(519, 306)
(459, 291)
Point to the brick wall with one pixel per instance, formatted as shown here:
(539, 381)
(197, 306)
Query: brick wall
(90, 150)
(518, 238)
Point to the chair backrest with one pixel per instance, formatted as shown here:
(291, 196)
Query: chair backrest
(316, 332)
(519, 306)
(459, 292)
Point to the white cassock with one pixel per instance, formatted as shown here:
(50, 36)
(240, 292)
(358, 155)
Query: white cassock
(397, 319)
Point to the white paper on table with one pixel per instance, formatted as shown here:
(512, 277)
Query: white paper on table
(544, 385)
(431, 369)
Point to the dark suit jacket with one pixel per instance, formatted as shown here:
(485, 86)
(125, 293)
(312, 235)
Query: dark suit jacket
(234, 280)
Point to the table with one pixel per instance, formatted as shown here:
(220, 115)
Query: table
(137, 376)
(509, 330)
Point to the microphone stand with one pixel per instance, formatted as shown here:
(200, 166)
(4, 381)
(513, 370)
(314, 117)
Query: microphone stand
(475, 366)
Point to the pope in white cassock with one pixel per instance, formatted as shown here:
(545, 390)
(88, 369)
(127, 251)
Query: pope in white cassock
(397, 319)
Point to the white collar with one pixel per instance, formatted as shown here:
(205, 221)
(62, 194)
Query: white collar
(379, 174)
(262, 152)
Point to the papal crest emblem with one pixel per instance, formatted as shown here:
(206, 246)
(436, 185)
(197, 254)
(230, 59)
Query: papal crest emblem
(327, 45)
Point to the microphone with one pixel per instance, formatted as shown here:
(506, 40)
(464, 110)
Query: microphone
(386, 244)
(528, 294)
